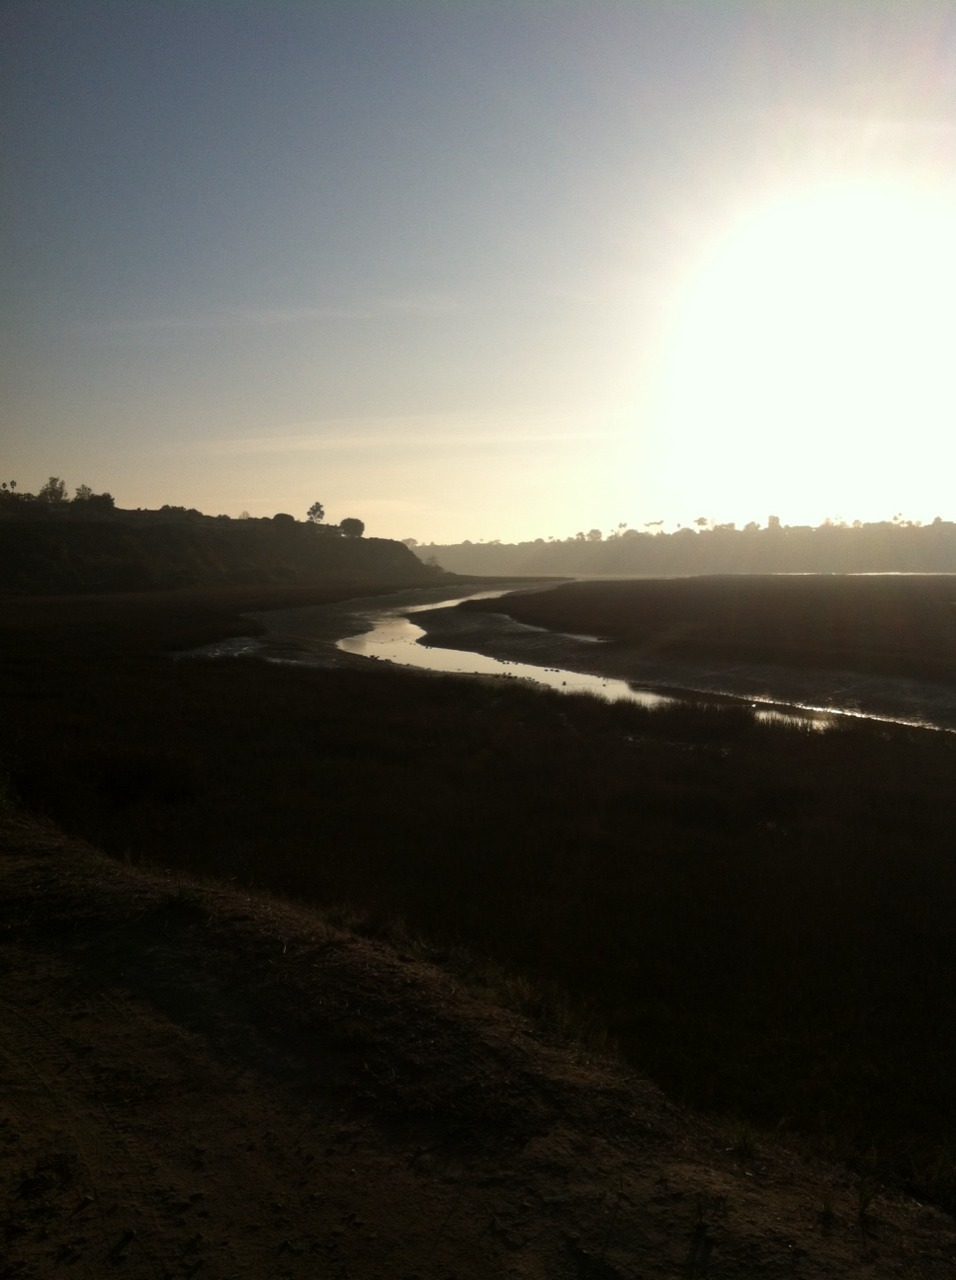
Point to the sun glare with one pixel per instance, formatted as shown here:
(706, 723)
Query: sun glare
(810, 365)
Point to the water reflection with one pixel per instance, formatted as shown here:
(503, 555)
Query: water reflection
(307, 635)
(394, 637)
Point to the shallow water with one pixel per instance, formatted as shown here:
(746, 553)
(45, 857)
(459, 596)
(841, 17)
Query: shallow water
(384, 628)
(395, 638)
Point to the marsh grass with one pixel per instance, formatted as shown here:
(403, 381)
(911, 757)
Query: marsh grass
(759, 918)
(892, 624)
(8, 792)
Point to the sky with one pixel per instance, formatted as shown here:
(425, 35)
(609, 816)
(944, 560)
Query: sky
(478, 269)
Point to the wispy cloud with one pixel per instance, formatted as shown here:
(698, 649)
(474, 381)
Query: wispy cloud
(350, 435)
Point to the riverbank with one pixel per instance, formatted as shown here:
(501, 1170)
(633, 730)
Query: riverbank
(881, 645)
(489, 629)
(310, 634)
(836, 691)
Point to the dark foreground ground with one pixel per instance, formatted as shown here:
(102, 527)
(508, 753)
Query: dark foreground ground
(202, 1082)
(758, 918)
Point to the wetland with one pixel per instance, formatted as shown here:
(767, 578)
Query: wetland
(758, 918)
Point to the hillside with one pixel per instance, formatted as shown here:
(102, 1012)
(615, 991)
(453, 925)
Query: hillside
(144, 552)
(888, 546)
(203, 1081)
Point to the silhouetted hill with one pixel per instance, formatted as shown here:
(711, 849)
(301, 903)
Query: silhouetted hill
(147, 552)
(888, 546)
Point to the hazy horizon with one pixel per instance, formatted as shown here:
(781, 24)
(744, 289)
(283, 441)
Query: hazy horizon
(483, 272)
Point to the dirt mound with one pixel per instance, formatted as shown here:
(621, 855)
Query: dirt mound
(201, 1082)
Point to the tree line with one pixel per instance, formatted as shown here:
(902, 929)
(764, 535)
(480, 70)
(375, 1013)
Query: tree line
(887, 546)
(51, 501)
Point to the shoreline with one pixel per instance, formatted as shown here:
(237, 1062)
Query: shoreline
(310, 635)
(850, 693)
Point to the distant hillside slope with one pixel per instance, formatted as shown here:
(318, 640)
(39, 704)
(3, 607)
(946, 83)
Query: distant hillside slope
(48, 557)
(884, 547)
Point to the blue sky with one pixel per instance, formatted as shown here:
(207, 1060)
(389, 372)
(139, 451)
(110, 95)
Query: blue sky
(444, 265)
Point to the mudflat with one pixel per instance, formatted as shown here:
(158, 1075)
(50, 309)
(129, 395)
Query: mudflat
(882, 646)
(896, 625)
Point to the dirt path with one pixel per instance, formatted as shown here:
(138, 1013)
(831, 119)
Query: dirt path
(199, 1083)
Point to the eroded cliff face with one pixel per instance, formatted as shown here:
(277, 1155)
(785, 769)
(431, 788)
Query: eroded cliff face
(50, 557)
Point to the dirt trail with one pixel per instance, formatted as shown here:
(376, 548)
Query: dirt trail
(199, 1083)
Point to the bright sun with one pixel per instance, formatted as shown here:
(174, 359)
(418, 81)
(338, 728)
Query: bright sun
(811, 368)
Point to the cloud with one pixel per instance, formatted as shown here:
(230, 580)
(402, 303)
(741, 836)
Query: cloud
(431, 432)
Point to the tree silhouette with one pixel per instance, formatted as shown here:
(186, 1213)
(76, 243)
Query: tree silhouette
(316, 513)
(351, 527)
(89, 505)
(53, 491)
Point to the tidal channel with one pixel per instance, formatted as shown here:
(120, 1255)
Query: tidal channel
(494, 645)
(394, 637)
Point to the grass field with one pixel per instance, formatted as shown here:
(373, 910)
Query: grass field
(759, 917)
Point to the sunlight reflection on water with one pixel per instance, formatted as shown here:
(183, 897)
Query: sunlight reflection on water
(395, 638)
(293, 637)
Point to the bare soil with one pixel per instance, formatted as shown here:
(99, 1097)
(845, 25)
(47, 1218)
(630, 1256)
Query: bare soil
(197, 1081)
